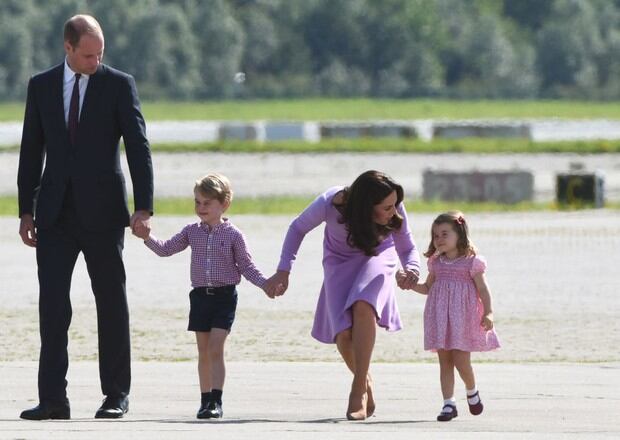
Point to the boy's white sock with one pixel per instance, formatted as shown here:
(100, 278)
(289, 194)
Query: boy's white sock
(472, 397)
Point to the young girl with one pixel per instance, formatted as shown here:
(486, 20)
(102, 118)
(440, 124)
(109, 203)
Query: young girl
(458, 317)
(219, 258)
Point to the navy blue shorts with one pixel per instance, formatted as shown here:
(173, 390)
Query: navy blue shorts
(212, 307)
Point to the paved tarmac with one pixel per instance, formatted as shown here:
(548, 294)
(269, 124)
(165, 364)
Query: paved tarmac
(308, 400)
(554, 280)
(268, 174)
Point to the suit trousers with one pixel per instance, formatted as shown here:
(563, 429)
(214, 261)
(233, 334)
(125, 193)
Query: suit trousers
(57, 250)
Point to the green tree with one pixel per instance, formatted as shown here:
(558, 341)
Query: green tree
(220, 38)
(568, 46)
(163, 43)
(480, 59)
(531, 14)
(193, 49)
(404, 39)
(16, 47)
(333, 33)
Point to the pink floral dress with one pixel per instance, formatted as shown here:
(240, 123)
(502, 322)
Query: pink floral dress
(453, 308)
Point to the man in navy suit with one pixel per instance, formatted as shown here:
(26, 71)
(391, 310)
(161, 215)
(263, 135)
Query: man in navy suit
(76, 113)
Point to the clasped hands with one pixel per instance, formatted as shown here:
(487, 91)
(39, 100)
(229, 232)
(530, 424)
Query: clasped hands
(406, 279)
(140, 224)
(277, 284)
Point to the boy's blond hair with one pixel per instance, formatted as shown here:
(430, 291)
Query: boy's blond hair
(215, 186)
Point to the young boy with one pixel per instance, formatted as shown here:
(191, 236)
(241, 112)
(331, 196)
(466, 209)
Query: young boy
(219, 258)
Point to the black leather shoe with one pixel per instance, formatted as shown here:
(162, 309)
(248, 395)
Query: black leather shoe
(203, 411)
(48, 410)
(113, 408)
(214, 409)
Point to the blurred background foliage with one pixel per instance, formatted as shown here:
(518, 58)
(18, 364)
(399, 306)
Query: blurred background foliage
(456, 49)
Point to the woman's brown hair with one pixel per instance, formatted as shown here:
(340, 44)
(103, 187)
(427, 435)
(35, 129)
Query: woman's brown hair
(456, 219)
(357, 209)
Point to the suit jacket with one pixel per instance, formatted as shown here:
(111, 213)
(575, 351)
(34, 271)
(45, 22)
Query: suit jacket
(111, 109)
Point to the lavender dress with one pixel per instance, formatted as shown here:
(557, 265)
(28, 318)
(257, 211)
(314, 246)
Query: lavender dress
(349, 275)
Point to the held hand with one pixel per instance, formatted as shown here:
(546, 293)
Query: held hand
(281, 282)
(27, 230)
(139, 217)
(487, 321)
(271, 290)
(401, 276)
(142, 230)
(277, 284)
(406, 279)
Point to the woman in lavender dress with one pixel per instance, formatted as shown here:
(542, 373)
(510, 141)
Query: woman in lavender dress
(366, 234)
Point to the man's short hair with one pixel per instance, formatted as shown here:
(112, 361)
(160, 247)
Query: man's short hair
(79, 25)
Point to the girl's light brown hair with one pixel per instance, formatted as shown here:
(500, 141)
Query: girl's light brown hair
(456, 219)
(215, 186)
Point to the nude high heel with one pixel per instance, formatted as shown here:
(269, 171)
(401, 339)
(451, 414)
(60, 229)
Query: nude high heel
(370, 402)
(357, 407)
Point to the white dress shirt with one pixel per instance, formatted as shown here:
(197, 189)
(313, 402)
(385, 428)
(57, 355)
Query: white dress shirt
(67, 89)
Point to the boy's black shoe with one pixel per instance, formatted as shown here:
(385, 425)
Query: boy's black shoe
(214, 409)
(203, 412)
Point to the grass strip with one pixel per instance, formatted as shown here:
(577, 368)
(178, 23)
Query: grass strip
(390, 145)
(360, 109)
(291, 205)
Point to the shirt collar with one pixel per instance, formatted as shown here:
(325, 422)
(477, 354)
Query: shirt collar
(69, 73)
(215, 228)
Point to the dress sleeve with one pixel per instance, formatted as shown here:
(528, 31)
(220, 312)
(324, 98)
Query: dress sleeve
(430, 264)
(405, 246)
(309, 219)
(479, 265)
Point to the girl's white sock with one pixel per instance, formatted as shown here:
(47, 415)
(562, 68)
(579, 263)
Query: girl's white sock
(450, 401)
(472, 397)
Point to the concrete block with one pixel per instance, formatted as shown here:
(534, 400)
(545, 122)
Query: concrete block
(238, 131)
(580, 189)
(478, 186)
(481, 130)
(367, 129)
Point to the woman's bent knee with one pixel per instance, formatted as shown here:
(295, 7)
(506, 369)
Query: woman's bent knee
(344, 336)
(362, 307)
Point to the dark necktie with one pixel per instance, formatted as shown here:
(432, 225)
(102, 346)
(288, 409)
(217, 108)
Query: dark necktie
(74, 110)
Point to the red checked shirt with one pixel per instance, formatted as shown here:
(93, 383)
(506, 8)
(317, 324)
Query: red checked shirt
(219, 254)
